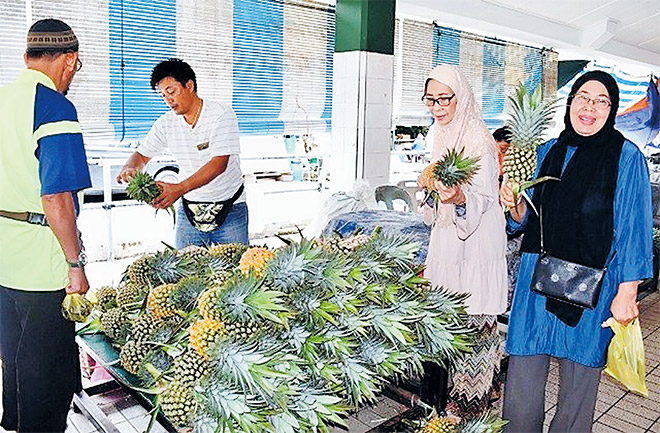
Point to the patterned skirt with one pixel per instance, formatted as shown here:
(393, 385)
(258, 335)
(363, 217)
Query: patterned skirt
(474, 375)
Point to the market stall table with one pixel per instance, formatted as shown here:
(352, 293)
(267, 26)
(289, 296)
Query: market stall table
(98, 346)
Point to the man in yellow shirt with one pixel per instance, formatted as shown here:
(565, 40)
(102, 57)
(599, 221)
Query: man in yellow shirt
(42, 168)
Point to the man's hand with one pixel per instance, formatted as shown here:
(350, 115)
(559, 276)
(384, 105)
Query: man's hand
(518, 207)
(624, 306)
(170, 193)
(126, 174)
(135, 163)
(77, 281)
(450, 194)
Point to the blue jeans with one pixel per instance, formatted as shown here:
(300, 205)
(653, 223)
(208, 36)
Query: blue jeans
(234, 229)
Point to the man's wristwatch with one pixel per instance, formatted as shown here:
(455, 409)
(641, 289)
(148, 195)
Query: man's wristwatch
(81, 262)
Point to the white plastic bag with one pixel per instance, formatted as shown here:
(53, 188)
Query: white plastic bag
(340, 203)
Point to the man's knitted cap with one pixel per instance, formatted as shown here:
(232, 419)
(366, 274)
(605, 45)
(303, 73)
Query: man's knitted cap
(51, 35)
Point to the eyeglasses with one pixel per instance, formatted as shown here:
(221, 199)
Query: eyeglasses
(442, 101)
(599, 103)
(79, 66)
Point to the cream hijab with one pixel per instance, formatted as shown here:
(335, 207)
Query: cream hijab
(466, 130)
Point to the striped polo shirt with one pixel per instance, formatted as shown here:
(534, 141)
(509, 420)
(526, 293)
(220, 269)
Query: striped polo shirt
(41, 152)
(215, 134)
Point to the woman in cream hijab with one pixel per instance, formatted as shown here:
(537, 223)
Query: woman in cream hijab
(468, 239)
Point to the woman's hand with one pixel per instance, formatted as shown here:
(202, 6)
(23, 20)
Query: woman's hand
(624, 307)
(450, 194)
(518, 207)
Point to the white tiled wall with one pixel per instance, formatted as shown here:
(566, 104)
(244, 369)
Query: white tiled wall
(361, 118)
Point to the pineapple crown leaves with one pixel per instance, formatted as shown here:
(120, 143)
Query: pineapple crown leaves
(167, 267)
(143, 187)
(450, 305)
(252, 370)
(530, 116)
(382, 357)
(361, 383)
(438, 341)
(315, 307)
(188, 289)
(455, 169)
(288, 268)
(153, 367)
(484, 423)
(319, 407)
(391, 325)
(232, 408)
(247, 298)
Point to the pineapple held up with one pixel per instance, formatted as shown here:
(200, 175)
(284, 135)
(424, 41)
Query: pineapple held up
(453, 169)
(143, 187)
(530, 117)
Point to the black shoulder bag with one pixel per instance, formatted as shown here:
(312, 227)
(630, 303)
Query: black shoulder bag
(565, 281)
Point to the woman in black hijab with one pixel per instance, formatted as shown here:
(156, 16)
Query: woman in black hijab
(601, 205)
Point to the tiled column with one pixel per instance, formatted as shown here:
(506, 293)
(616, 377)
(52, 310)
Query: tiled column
(362, 92)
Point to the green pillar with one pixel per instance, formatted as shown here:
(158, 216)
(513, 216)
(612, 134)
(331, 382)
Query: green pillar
(365, 25)
(362, 92)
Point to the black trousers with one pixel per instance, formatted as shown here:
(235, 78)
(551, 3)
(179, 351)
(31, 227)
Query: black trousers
(41, 368)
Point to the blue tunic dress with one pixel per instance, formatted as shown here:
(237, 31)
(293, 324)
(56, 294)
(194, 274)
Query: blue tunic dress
(535, 331)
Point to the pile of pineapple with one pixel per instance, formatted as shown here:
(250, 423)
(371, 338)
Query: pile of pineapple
(289, 340)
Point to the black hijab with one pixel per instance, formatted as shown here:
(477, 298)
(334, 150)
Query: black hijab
(578, 211)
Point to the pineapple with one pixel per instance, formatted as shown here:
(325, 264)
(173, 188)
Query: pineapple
(230, 252)
(530, 117)
(254, 259)
(142, 327)
(203, 335)
(452, 169)
(178, 403)
(207, 304)
(138, 271)
(130, 293)
(142, 187)
(115, 323)
(132, 354)
(159, 301)
(106, 298)
(439, 425)
(190, 367)
(238, 330)
(194, 253)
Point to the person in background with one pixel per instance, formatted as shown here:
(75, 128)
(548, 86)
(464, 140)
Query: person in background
(599, 212)
(467, 245)
(42, 167)
(502, 138)
(203, 137)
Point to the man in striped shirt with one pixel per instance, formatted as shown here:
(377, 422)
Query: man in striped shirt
(203, 137)
(42, 168)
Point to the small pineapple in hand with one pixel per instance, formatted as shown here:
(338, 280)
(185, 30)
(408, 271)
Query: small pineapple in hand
(530, 117)
(143, 187)
(453, 169)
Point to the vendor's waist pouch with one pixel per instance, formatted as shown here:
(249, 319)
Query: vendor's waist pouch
(208, 216)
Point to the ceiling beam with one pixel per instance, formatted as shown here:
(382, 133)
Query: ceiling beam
(491, 19)
(599, 34)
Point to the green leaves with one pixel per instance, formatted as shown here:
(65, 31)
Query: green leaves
(455, 169)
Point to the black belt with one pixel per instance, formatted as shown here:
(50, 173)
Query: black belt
(28, 217)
